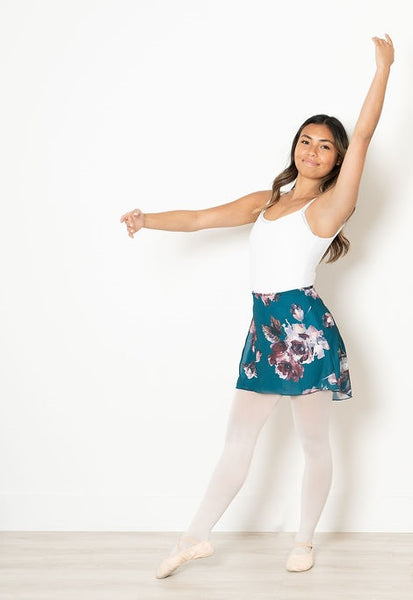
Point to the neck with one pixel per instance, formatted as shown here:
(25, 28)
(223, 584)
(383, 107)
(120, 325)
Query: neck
(304, 188)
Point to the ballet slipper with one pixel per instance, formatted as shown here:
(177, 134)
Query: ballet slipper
(196, 550)
(300, 561)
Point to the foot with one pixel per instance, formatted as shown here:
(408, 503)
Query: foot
(301, 557)
(186, 549)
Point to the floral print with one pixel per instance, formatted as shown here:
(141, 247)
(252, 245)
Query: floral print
(297, 312)
(250, 370)
(310, 291)
(328, 320)
(293, 347)
(253, 333)
(267, 298)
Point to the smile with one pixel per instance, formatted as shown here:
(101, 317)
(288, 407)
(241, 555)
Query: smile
(310, 163)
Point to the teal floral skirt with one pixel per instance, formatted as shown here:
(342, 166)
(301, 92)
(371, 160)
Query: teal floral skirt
(293, 347)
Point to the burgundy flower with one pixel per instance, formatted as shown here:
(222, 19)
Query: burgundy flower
(300, 350)
(258, 356)
(289, 369)
(279, 350)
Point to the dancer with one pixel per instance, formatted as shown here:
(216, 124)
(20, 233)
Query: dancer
(293, 347)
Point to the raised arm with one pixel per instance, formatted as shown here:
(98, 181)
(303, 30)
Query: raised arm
(238, 212)
(341, 200)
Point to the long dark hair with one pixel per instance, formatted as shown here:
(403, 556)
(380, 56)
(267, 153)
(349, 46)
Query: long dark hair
(340, 244)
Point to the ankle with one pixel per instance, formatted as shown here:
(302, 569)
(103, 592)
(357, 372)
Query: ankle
(194, 537)
(302, 541)
(187, 541)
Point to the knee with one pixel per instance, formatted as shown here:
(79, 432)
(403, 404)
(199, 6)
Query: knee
(316, 446)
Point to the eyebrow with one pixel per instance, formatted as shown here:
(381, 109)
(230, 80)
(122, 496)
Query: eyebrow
(320, 139)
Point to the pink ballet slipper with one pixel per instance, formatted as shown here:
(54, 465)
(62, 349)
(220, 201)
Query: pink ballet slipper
(196, 550)
(300, 561)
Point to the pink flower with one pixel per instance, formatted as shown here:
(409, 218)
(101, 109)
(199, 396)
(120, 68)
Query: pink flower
(328, 320)
(253, 333)
(250, 370)
(267, 298)
(297, 312)
(309, 291)
(317, 341)
(305, 342)
(310, 390)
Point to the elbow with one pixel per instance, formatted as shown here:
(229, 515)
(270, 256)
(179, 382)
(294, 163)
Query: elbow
(363, 135)
(195, 222)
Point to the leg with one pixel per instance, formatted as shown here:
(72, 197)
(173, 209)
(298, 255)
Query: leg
(311, 415)
(248, 414)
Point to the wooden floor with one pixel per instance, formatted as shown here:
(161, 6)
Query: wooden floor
(245, 566)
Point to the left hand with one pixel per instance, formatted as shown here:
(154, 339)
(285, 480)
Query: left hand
(134, 221)
(384, 51)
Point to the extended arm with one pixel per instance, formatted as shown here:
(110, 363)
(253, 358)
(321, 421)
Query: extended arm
(238, 212)
(341, 200)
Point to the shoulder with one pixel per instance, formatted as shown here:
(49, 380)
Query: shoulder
(323, 216)
(259, 198)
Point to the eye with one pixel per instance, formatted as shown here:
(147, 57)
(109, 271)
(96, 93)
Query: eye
(305, 142)
(325, 147)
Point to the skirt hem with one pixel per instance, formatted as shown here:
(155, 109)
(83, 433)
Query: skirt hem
(343, 396)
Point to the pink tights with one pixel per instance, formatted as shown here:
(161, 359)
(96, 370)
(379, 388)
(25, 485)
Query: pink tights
(248, 414)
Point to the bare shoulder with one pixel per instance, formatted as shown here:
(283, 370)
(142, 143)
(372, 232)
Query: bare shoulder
(238, 212)
(324, 216)
(263, 195)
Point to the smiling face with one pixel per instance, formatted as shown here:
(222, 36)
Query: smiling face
(315, 154)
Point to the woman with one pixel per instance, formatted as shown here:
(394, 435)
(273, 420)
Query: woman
(293, 347)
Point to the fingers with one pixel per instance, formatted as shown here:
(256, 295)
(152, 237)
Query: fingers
(383, 42)
(129, 220)
(136, 213)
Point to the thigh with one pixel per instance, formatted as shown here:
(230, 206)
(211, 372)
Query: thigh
(311, 413)
(249, 411)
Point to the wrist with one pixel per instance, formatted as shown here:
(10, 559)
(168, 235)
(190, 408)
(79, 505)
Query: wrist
(383, 69)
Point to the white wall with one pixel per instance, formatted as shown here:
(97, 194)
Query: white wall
(119, 357)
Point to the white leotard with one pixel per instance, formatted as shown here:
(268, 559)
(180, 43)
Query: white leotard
(284, 253)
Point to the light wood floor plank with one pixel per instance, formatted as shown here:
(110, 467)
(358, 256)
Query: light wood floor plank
(246, 566)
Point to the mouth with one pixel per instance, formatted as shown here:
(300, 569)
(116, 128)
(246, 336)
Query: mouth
(310, 163)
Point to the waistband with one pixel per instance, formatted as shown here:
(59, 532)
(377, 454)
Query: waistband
(308, 290)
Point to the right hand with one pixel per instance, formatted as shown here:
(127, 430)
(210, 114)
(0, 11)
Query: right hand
(134, 221)
(384, 51)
